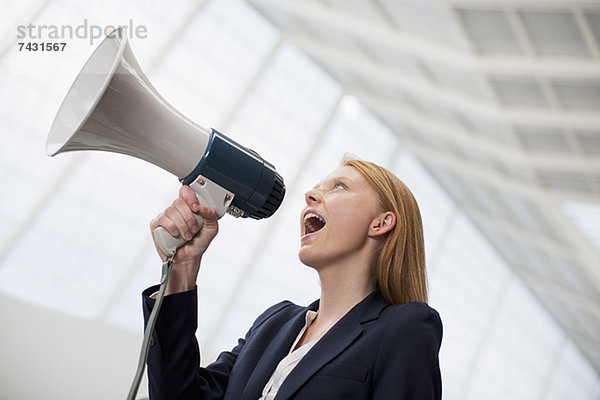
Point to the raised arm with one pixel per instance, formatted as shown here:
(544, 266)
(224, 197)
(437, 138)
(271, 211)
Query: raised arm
(178, 219)
(174, 359)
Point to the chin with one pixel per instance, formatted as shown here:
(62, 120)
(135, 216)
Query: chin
(304, 259)
(307, 259)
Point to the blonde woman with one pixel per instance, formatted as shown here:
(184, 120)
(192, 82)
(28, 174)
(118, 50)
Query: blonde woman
(371, 335)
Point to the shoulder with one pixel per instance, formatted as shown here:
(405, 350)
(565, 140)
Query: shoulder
(416, 311)
(414, 320)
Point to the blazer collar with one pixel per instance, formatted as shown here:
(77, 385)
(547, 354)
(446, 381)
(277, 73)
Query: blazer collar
(370, 307)
(367, 309)
(336, 340)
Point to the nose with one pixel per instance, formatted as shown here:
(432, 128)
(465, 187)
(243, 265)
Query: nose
(312, 197)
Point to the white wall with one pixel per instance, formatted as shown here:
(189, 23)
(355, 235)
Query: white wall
(50, 355)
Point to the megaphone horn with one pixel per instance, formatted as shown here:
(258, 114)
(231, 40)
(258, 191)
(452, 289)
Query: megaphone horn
(112, 106)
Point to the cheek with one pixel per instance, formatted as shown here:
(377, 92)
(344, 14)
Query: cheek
(350, 226)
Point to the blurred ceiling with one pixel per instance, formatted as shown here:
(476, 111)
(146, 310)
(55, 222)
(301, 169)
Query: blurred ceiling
(501, 102)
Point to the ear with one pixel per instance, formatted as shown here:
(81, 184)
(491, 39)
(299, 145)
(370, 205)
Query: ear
(382, 224)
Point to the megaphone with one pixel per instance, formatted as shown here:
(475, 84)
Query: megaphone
(112, 106)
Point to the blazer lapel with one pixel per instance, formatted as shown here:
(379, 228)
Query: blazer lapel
(275, 351)
(339, 337)
(331, 344)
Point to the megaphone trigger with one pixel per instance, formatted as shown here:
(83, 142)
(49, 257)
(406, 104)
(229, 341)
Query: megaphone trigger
(209, 194)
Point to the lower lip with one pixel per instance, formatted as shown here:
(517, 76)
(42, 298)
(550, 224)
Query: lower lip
(310, 235)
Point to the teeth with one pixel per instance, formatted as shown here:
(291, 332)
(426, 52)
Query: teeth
(310, 225)
(313, 215)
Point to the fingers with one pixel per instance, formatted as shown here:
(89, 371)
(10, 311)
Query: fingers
(164, 221)
(183, 217)
(189, 196)
(179, 219)
(209, 215)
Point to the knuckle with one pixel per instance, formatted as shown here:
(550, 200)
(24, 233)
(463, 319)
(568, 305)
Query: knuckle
(178, 202)
(154, 222)
(170, 226)
(160, 221)
(169, 212)
(165, 221)
(187, 194)
(190, 219)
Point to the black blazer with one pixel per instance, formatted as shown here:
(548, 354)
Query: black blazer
(376, 351)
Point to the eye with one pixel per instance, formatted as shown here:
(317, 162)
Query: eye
(339, 185)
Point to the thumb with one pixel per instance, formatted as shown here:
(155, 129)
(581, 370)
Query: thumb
(209, 215)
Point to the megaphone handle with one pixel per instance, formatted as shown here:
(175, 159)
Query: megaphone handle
(209, 194)
(169, 243)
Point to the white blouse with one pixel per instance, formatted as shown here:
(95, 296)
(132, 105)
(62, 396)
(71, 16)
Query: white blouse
(289, 362)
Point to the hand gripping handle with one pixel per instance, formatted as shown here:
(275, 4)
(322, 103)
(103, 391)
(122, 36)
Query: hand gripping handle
(209, 194)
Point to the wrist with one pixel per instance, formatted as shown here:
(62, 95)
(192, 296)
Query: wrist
(183, 277)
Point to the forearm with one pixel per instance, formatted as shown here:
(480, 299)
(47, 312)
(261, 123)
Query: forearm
(174, 370)
(183, 277)
(174, 358)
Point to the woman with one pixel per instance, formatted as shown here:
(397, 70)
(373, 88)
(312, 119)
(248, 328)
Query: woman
(370, 336)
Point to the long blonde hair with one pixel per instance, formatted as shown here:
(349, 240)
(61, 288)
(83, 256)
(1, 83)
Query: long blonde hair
(400, 269)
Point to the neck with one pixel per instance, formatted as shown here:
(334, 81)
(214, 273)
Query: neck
(342, 287)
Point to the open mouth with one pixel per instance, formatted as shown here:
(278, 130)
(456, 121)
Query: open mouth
(313, 222)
